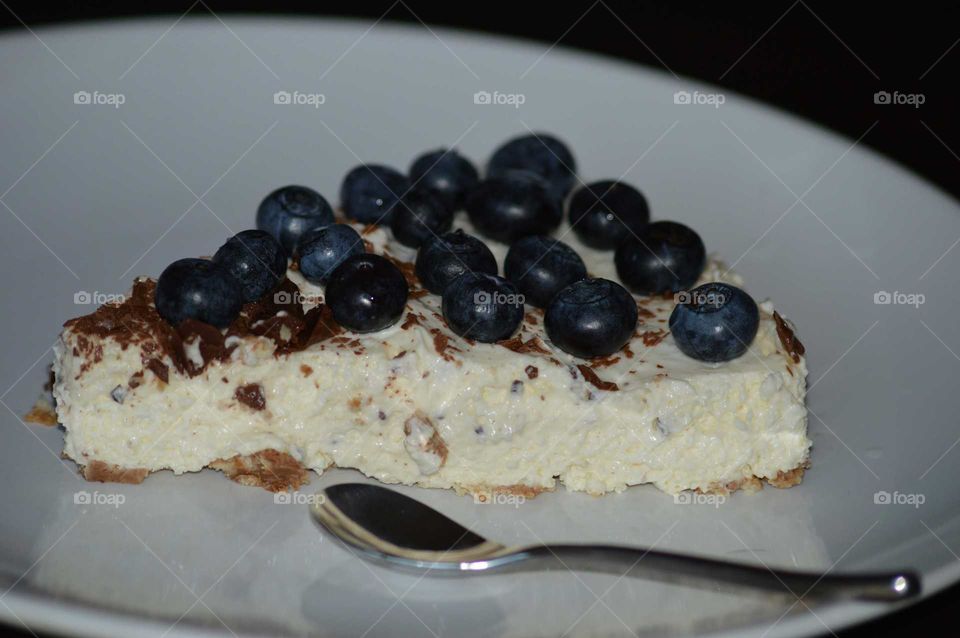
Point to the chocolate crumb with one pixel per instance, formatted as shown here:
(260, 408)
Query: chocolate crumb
(532, 372)
(251, 395)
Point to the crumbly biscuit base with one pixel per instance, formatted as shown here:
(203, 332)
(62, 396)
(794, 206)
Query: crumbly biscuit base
(277, 471)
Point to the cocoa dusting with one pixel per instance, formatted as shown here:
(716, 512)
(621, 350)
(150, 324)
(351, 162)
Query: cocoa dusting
(278, 315)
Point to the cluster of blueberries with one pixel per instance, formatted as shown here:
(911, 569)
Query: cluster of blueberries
(520, 201)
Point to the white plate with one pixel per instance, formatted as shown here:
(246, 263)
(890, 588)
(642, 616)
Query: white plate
(99, 193)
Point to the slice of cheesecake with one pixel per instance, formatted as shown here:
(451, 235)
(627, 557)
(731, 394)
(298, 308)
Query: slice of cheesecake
(284, 390)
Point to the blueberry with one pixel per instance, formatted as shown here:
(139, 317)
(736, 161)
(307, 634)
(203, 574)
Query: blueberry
(418, 216)
(540, 153)
(663, 257)
(714, 322)
(541, 266)
(442, 259)
(605, 213)
(255, 259)
(591, 318)
(482, 307)
(323, 249)
(289, 212)
(198, 289)
(513, 205)
(366, 293)
(369, 191)
(448, 175)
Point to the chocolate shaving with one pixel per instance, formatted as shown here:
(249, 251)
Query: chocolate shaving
(518, 345)
(787, 337)
(441, 343)
(653, 337)
(605, 361)
(159, 368)
(412, 319)
(592, 377)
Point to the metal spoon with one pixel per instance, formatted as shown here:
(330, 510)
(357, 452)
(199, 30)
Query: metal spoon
(392, 529)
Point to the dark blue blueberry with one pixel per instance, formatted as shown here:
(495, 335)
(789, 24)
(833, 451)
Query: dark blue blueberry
(255, 259)
(482, 307)
(591, 318)
(714, 322)
(289, 212)
(448, 175)
(541, 266)
(540, 153)
(366, 293)
(605, 213)
(663, 257)
(442, 259)
(320, 251)
(198, 289)
(369, 191)
(513, 205)
(419, 216)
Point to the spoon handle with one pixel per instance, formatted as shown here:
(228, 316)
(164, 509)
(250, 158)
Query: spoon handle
(691, 570)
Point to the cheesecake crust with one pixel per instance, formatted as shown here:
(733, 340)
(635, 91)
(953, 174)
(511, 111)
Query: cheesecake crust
(42, 413)
(100, 472)
(783, 480)
(270, 469)
(277, 471)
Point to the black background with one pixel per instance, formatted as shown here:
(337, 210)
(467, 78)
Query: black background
(823, 61)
